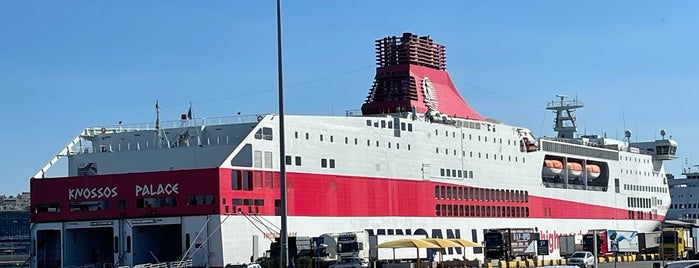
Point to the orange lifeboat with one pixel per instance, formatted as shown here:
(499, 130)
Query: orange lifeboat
(574, 169)
(593, 171)
(552, 168)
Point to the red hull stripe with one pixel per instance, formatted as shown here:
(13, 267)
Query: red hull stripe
(318, 195)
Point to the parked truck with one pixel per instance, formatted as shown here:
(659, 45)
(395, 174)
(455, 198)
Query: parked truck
(569, 244)
(676, 243)
(509, 243)
(352, 250)
(648, 243)
(610, 242)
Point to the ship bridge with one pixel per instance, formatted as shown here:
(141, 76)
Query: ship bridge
(662, 149)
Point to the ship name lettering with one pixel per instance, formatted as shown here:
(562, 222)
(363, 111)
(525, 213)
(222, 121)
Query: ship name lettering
(150, 189)
(88, 193)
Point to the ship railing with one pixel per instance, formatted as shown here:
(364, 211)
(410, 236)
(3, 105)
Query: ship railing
(173, 124)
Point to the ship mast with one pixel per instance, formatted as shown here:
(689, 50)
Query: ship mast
(565, 116)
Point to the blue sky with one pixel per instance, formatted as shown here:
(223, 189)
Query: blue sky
(67, 65)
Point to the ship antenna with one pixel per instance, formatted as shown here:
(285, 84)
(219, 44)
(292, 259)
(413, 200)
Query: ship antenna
(158, 138)
(158, 130)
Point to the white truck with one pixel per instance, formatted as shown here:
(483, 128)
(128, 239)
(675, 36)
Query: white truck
(352, 250)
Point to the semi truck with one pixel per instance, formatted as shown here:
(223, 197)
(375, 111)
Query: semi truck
(352, 250)
(610, 242)
(648, 243)
(676, 243)
(509, 243)
(569, 244)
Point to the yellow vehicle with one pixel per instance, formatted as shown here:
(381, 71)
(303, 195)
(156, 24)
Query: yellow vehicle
(675, 243)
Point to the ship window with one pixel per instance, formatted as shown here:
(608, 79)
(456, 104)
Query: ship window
(298, 160)
(377, 143)
(323, 163)
(442, 192)
(346, 140)
(448, 172)
(308, 136)
(267, 133)
(321, 137)
(296, 134)
(368, 123)
(436, 192)
(470, 174)
(390, 124)
(355, 141)
(469, 137)
(332, 163)
(485, 138)
(449, 210)
(89, 205)
(376, 124)
(436, 209)
(408, 147)
(383, 124)
(449, 192)
(436, 132)
(397, 145)
(410, 127)
(442, 172)
(460, 174)
(122, 204)
(247, 180)
(287, 160)
(389, 144)
(402, 126)
(368, 143)
(236, 183)
(444, 209)
(237, 202)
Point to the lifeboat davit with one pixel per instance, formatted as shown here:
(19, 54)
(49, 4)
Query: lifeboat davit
(574, 169)
(552, 167)
(593, 171)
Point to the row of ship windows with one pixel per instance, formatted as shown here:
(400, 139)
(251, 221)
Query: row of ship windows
(641, 215)
(681, 206)
(634, 159)
(480, 194)
(638, 202)
(638, 172)
(389, 124)
(324, 162)
(644, 188)
(448, 210)
(470, 137)
(495, 156)
(453, 173)
(102, 205)
(347, 141)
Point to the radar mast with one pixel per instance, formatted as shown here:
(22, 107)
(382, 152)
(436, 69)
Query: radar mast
(565, 116)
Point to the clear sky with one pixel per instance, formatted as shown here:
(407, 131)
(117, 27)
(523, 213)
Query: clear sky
(68, 65)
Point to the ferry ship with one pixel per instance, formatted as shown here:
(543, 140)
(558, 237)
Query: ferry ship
(418, 159)
(684, 205)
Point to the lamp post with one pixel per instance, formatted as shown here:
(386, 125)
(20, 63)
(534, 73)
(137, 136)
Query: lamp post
(284, 241)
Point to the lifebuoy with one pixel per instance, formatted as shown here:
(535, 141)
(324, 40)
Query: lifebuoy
(259, 118)
(103, 130)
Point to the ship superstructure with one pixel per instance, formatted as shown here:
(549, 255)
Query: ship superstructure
(418, 160)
